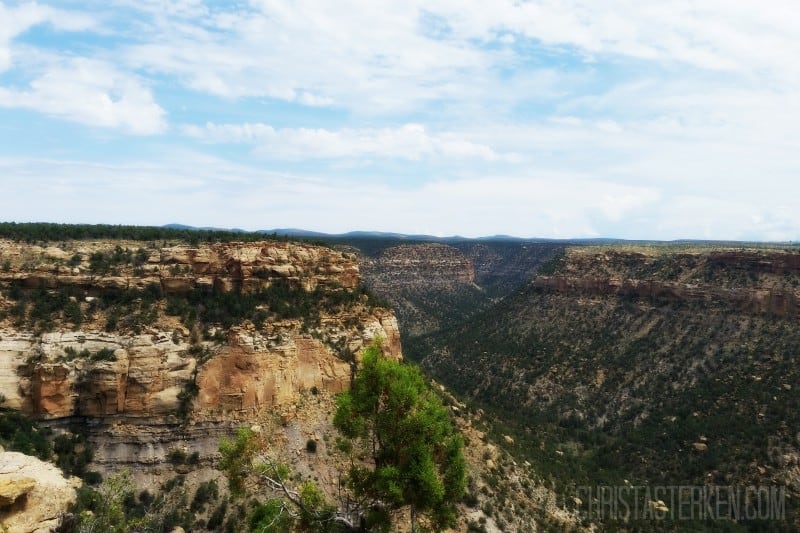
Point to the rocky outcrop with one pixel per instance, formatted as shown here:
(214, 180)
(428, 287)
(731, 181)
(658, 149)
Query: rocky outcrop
(12, 488)
(143, 391)
(33, 494)
(502, 266)
(781, 302)
(413, 265)
(760, 282)
(775, 262)
(135, 401)
(178, 269)
(433, 285)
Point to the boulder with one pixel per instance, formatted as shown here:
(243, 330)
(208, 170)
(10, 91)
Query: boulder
(47, 494)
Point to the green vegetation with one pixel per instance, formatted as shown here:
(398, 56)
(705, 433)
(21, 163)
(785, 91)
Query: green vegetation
(70, 451)
(37, 232)
(416, 455)
(601, 389)
(404, 452)
(43, 309)
(74, 453)
(132, 310)
(115, 507)
(103, 354)
(18, 433)
(237, 455)
(304, 509)
(102, 263)
(554, 264)
(104, 509)
(206, 492)
(281, 300)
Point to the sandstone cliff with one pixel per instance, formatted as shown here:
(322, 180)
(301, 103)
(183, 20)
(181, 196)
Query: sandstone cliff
(176, 379)
(175, 268)
(744, 280)
(430, 264)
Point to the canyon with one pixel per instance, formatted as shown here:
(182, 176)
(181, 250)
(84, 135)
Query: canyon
(562, 364)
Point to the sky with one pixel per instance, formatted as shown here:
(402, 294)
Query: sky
(640, 120)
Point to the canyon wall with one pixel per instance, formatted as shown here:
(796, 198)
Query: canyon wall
(744, 280)
(141, 392)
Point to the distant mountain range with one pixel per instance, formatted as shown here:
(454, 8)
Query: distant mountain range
(300, 233)
(309, 234)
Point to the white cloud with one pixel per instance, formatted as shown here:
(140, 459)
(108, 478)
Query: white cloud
(410, 141)
(17, 20)
(168, 191)
(90, 92)
(715, 34)
(213, 191)
(356, 54)
(671, 119)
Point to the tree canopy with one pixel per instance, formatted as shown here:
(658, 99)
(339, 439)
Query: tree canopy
(400, 423)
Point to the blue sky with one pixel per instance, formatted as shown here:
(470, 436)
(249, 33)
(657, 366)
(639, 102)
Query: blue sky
(653, 120)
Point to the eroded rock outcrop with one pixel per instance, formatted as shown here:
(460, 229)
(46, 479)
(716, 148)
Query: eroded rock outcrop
(750, 281)
(172, 380)
(177, 269)
(33, 494)
(412, 265)
(778, 301)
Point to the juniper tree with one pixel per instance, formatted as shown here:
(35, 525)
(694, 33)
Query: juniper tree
(415, 454)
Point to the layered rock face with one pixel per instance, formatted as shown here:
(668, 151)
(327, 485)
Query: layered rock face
(141, 393)
(747, 281)
(179, 268)
(410, 266)
(502, 266)
(420, 281)
(781, 302)
(433, 285)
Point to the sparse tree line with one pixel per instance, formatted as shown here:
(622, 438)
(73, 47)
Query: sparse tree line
(50, 232)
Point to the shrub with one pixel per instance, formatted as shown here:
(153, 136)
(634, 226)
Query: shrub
(311, 446)
(176, 456)
(206, 492)
(216, 518)
(18, 433)
(104, 354)
(174, 482)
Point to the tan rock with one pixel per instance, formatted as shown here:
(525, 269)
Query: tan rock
(507, 439)
(50, 496)
(134, 400)
(659, 506)
(700, 446)
(13, 487)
